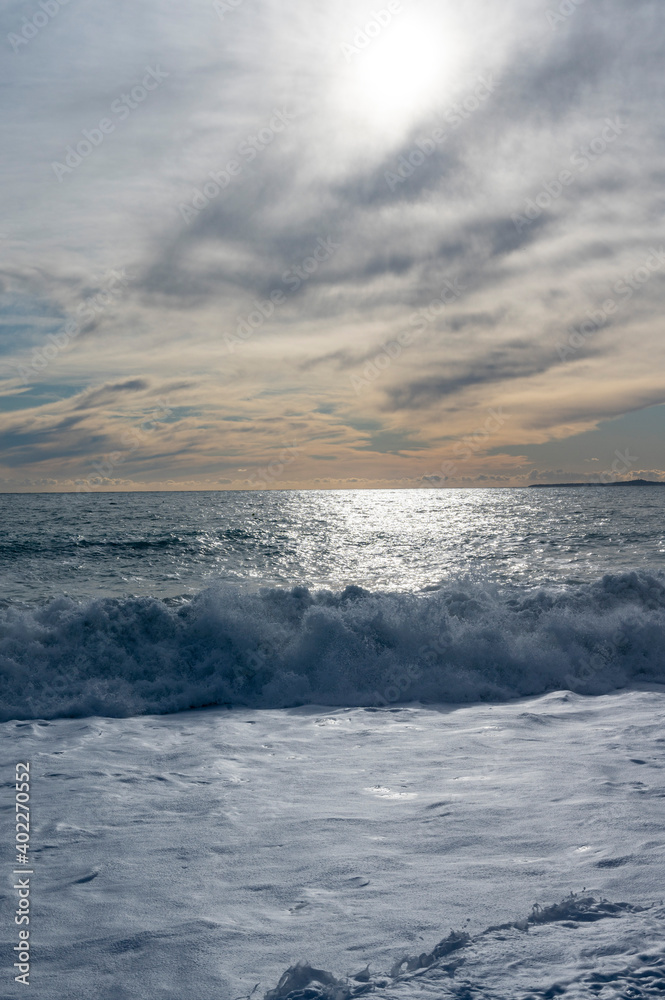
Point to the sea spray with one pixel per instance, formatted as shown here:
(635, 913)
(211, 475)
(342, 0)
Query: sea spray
(279, 648)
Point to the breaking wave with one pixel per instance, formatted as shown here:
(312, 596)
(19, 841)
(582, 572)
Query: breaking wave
(557, 950)
(280, 648)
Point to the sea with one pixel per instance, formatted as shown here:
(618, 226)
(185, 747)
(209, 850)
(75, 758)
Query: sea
(317, 745)
(122, 604)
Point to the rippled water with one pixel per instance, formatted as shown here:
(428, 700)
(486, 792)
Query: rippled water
(168, 544)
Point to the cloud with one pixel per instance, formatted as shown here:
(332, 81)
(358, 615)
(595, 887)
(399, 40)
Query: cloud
(512, 362)
(107, 394)
(328, 174)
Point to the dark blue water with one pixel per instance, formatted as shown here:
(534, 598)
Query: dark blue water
(123, 604)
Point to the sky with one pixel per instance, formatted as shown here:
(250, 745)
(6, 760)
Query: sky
(331, 244)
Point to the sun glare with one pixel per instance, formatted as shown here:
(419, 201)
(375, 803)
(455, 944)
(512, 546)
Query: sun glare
(397, 72)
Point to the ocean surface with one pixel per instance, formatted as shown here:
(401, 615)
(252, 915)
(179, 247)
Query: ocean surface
(425, 756)
(123, 604)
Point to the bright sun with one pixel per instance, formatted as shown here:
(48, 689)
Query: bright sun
(396, 72)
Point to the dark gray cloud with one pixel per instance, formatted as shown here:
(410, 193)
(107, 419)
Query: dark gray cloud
(107, 394)
(511, 362)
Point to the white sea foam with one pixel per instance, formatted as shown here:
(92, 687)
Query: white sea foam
(203, 854)
(280, 648)
(504, 960)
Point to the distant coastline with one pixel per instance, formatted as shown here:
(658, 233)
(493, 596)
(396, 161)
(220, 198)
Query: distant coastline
(630, 482)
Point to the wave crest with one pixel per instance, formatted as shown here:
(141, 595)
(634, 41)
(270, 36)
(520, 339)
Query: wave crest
(496, 963)
(280, 648)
